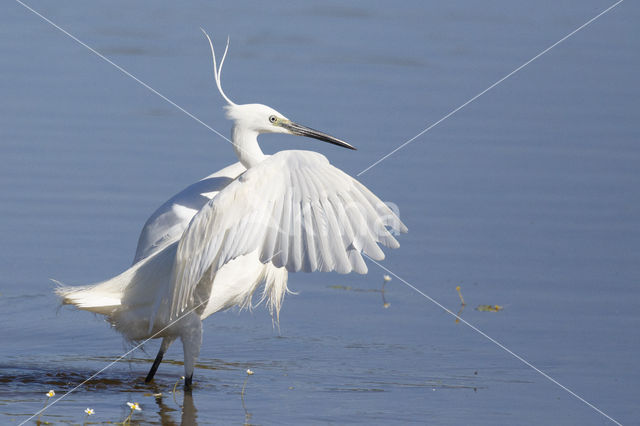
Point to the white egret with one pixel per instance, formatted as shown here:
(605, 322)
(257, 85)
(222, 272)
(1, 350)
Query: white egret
(212, 245)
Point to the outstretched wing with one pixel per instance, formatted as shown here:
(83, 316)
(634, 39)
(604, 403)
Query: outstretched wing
(297, 210)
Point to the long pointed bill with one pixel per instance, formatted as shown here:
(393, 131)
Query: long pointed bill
(300, 130)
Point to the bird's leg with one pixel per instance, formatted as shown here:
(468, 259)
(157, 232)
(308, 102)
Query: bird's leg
(191, 336)
(155, 366)
(166, 342)
(188, 381)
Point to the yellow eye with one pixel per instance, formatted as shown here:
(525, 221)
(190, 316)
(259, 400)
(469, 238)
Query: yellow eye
(273, 119)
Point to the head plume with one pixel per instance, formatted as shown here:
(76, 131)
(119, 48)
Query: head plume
(217, 72)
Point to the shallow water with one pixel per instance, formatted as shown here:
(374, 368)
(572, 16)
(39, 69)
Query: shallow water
(527, 198)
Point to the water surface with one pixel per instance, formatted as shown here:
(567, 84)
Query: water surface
(528, 198)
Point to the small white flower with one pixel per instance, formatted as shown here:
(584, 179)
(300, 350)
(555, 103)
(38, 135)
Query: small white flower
(249, 372)
(134, 406)
(386, 278)
(51, 393)
(89, 411)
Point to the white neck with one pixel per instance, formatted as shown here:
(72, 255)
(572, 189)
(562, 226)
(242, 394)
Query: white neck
(245, 144)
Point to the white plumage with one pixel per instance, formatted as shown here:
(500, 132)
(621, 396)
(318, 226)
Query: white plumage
(170, 220)
(297, 210)
(211, 246)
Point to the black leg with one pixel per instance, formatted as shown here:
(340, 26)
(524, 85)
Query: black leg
(155, 366)
(187, 383)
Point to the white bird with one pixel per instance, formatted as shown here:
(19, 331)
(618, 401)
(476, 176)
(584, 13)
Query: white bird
(210, 247)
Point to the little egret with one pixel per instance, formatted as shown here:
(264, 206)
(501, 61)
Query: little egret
(212, 245)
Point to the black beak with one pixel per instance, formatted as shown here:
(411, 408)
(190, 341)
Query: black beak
(300, 130)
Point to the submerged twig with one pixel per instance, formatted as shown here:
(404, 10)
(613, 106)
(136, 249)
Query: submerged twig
(244, 385)
(460, 294)
(174, 390)
(462, 304)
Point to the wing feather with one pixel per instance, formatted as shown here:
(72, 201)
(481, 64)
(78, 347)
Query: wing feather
(337, 242)
(296, 252)
(297, 211)
(310, 259)
(364, 240)
(282, 256)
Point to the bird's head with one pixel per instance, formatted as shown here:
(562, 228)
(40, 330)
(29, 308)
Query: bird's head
(261, 118)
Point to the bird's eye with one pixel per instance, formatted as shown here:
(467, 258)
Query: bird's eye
(273, 119)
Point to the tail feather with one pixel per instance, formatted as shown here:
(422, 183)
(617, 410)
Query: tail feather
(129, 299)
(126, 299)
(102, 298)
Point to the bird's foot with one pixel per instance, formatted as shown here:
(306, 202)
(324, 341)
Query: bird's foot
(188, 381)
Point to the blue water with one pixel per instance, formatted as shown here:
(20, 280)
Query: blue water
(528, 198)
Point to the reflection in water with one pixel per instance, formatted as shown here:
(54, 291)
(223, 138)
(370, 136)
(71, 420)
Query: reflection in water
(33, 382)
(108, 394)
(166, 412)
(189, 412)
(247, 414)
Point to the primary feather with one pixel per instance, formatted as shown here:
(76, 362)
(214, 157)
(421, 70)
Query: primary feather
(296, 211)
